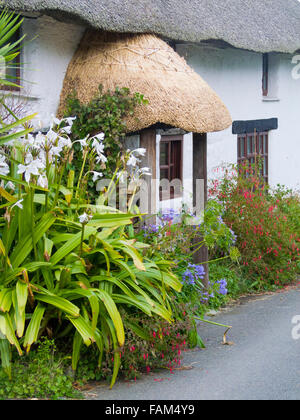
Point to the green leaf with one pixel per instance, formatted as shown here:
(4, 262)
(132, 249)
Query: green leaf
(60, 303)
(20, 305)
(10, 333)
(84, 329)
(5, 354)
(117, 357)
(25, 246)
(5, 300)
(71, 244)
(33, 328)
(77, 342)
(114, 314)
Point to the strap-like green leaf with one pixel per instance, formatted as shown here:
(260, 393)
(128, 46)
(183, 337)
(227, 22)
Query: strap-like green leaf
(25, 246)
(60, 303)
(33, 328)
(114, 315)
(84, 329)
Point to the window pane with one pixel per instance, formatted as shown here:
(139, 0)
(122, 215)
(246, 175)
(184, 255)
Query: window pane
(250, 145)
(255, 150)
(176, 159)
(241, 147)
(265, 143)
(265, 166)
(164, 154)
(260, 144)
(164, 174)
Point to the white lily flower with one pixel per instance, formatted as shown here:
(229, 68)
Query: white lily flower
(42, 181)
(67, 129)
(83, 142)
(29, 140)
(40, 139)
(145, 171)
(132, 161)
(98, 146)
(31, 169)
(96, 175)
(54, 121)
(65, 142)
(4, 168)
(101, 158)
(28, 158)
(10, 186)
(55, 151)
(52, 136)
(18, 204)
(99, 137)
(70, 120)
(140, 151)
(84, 218)
(121, 176)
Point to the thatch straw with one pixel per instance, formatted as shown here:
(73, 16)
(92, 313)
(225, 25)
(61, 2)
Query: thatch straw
(256, 25)
(177, 95)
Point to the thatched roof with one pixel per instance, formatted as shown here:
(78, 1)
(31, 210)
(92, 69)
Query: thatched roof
(177, 95)
(257, 25)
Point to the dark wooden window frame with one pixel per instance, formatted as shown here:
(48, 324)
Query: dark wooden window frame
(175, 166)
(251, 146)
(265, 74)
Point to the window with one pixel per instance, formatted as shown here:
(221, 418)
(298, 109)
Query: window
(13, 67)
(265, 75)
(170, 165)
(253, 149)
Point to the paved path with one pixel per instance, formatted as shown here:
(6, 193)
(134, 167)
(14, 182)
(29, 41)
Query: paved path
(263, 363)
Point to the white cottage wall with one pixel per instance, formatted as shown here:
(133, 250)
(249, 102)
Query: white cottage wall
(236, 76)
(50, 46)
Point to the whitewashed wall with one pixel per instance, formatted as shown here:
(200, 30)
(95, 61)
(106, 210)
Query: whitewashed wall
(236, 76)
(50, 45)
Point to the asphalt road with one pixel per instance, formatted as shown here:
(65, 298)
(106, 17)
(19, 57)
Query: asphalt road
(262, 364)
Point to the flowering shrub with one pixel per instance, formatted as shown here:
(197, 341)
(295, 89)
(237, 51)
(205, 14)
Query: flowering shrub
(151, 343)
(268, 235)
(174, 237)
(175, 232)
(199, 297)
(67, 265)
(104, 113)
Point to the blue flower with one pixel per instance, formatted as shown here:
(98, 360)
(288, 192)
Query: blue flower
(168, 215)
(188, 277)
(222, 287)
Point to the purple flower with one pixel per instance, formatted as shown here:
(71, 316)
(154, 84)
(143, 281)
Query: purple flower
(193, 273)
(168, 215)
(148, 230)
(188, 277)
(222, 287)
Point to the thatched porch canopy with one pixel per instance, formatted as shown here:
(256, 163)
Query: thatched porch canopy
(177, 95)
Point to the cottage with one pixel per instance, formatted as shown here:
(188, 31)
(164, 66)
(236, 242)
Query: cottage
(244, 51)
(181, 109)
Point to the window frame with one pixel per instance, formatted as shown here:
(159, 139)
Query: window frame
(260, 150)
(176, 166)
(265, 74)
